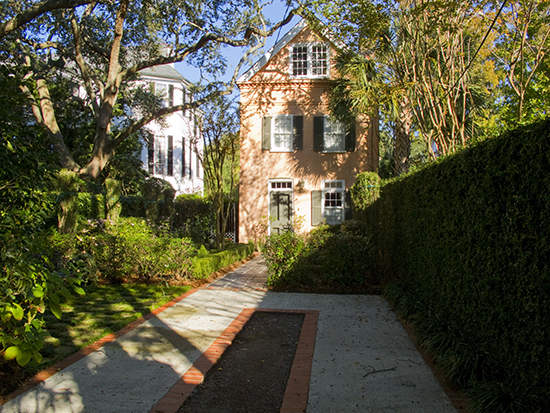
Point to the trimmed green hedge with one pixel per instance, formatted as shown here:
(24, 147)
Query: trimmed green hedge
(468, 241)
(202, 266)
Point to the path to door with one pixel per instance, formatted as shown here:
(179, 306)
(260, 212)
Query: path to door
(360, 359)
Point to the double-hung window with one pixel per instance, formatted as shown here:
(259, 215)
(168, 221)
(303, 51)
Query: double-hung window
(161, 153)
(309, 60)
(331, 204)
(334, 139)
(333, 201)
(165, 92)
(330, 135)
(282, 133)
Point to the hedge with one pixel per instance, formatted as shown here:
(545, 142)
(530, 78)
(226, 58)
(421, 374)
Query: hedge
(468, 242)
(203, 266)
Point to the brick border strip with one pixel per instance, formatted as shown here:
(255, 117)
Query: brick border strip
(297, 389)
(73, 358)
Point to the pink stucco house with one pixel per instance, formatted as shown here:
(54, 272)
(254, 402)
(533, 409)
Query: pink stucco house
(296, 161)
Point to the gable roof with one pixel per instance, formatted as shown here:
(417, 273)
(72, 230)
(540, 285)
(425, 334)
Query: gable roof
(292, 33)
(165, 72)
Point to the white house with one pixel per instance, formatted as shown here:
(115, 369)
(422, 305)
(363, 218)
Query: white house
(170, 153)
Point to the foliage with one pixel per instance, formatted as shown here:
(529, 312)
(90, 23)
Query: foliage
(85, 319)
(192, 218)
(281, 252)
(29, 285)
(364, 192)
(220, 160)
(125, 250)
(335, 259)
(159, 200)
(206, 264)
(467, 240)
(83, 82)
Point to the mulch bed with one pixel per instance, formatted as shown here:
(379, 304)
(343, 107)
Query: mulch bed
(252, 374)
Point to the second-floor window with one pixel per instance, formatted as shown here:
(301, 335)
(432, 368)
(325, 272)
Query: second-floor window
(330, 135)
(282, 133)
(165, 92)
(309, 60)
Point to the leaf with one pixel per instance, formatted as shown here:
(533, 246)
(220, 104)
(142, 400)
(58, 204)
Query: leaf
(65, 292)
(54, 298)
(55, 309)
(11, 352)
(79, 290)
(38, 292)
(17, 312)
(23, 357)
(38, 357)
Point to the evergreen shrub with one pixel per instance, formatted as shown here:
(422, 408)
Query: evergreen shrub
(205, 264)
(468, 242)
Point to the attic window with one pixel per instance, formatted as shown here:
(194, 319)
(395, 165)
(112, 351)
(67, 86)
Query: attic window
(309, 60)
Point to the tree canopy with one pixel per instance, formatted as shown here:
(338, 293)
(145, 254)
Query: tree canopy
(96, 49)
(448, 71)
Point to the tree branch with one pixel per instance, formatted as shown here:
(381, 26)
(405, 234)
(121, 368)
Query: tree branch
(37, 10)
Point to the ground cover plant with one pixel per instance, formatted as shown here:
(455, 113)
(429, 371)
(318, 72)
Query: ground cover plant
(103, 310)
(468, 241)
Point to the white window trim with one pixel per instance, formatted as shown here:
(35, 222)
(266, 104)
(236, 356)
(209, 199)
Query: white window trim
(339, 150)
(309, 60)
(342, 190)
(273, 122)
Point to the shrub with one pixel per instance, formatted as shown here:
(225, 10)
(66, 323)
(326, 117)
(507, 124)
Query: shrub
(364, 192)
(468, 240)
(281, 251)
(193, 218)
(206, 264)
(126, 249)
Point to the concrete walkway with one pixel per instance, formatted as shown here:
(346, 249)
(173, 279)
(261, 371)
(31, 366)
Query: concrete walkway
(362, 360)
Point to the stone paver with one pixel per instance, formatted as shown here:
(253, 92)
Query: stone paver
(361, 360)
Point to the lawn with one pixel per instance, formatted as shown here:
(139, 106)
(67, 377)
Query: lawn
(103, 310)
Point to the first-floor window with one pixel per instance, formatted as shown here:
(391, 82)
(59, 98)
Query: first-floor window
(333, 201)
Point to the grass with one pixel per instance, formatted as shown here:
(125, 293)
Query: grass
(103, 310)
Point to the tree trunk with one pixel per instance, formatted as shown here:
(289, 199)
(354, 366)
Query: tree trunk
(402, 149)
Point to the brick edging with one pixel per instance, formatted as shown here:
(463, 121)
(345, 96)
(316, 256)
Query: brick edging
(297, 389)
(80, 354)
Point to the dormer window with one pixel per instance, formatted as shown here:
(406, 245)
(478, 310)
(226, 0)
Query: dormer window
(309, 60)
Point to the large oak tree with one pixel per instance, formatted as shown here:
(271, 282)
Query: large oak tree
(98, 48)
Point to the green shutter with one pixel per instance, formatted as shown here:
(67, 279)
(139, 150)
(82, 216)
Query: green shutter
(350, 137)
(266, 133)
(298, 133)
(316, 207)
(318, 133)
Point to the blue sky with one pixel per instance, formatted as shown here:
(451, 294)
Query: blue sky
(274, 12)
